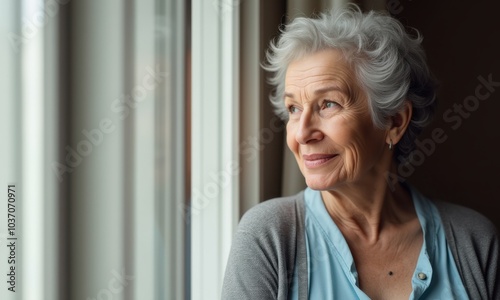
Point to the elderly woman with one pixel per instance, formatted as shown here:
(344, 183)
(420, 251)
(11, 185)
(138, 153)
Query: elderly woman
(355, 92)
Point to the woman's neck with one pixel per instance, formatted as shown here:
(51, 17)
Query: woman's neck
(368, 207)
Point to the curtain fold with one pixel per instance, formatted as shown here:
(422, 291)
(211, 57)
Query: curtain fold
(94, 145)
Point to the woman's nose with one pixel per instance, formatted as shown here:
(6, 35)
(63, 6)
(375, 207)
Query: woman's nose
(308, 130)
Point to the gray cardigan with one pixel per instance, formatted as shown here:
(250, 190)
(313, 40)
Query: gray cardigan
(270, 239)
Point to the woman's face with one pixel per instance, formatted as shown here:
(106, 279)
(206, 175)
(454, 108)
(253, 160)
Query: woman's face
(330, 129)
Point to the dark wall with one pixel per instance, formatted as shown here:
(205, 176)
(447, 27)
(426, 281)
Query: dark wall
(463, 45)
(273, 15)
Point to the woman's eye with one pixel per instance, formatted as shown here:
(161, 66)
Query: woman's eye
(292, 109)
(329, 104)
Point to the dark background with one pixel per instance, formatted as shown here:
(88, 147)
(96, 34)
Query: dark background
(462, 42)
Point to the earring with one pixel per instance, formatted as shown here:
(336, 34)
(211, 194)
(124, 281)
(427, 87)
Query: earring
(390, 144)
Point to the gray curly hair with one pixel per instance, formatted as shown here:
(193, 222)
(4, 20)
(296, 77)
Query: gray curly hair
(389, 63)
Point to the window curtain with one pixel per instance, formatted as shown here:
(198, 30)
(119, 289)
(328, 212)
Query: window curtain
(93, 147)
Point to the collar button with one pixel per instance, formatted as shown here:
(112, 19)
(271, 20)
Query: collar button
(422, 276)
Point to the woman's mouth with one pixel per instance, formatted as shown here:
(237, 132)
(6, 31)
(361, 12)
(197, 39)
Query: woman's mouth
(317, 160)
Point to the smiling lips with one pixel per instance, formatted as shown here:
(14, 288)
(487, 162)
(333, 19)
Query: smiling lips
(317, 160)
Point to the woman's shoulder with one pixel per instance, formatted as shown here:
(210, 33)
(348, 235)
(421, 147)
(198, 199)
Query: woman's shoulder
(263, 251)
(469, 233)
(475, 244)
(274, 214)
(464, 219)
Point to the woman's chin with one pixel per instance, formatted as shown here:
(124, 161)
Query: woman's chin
(321, 183)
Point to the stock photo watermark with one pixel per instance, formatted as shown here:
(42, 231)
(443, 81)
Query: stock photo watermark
(93, 138)
(115, 286)
(224, 6)
(455, 117)
(11, 238)
(32, 24)
(248, 151)
(124, 104)
(394, 7)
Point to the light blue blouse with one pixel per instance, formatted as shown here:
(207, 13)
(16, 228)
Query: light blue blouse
(331, 270)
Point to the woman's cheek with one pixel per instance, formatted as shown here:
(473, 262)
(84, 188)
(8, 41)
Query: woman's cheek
(290, 136)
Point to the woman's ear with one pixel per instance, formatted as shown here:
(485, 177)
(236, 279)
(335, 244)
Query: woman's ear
(398, 123)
